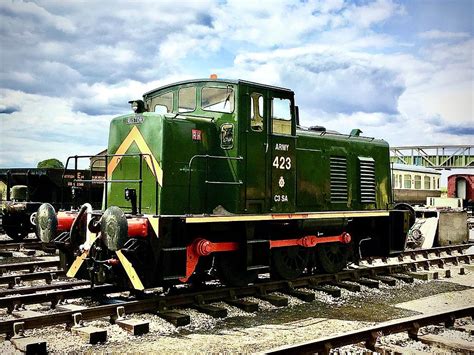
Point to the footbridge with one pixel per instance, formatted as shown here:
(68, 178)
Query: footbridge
(435, 156)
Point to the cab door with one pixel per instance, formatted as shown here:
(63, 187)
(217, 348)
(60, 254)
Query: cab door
(283, 153)
(257, 142)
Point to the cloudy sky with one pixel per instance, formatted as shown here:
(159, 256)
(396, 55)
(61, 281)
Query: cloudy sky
(398, 70)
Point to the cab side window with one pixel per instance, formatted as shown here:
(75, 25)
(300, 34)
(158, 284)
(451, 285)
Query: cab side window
(281, 116)
(256, 112)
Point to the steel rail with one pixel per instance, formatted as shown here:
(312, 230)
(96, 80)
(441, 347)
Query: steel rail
(10, 302)
(9, 245)
(30, 265)
(42, 275)
(370, 335)
(187, 298)
(34, 289)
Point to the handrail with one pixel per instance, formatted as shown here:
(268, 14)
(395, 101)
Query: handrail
(206, 181)
(106, 181)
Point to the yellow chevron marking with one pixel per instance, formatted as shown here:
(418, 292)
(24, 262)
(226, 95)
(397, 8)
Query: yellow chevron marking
(76, 265)
(131, 273)
(154, 222)
(136, 136)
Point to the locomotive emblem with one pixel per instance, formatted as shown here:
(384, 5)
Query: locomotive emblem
(227, 136)
(281, 182)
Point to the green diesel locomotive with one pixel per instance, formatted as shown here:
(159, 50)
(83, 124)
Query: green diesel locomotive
(216, 177)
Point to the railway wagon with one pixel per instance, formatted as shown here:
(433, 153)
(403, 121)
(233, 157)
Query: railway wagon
(413, 184)
(462, 186)
(25, 189)
(215, 178)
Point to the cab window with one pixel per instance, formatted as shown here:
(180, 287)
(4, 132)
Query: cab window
(281, 116)
(217, 99)
(187, 99)
(163, 103)
(256, 112)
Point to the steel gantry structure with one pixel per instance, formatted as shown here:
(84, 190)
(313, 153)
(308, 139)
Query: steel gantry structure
(435, 156)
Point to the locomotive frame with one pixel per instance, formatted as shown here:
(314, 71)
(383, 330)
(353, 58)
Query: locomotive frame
(228, 182)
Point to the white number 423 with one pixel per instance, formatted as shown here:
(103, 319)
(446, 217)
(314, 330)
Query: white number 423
(283, 163)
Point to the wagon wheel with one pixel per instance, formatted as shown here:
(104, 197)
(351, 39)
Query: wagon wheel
(289, 262)
(232, 270)
(331, 257)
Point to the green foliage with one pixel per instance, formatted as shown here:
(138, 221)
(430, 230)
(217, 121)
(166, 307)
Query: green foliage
(51, 163)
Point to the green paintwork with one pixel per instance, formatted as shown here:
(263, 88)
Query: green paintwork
(245, 178)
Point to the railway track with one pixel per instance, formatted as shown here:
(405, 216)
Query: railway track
(366, 274)
(29, 265)
(430, 256)
(33, 289)
(34, 244)
(369, 336)
(16, 280)
(60, 293)
(164, 305)
(47, 270)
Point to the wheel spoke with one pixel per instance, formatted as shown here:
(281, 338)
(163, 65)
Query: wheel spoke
(289, 263)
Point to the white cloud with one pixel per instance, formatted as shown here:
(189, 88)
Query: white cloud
(437, 34)
(332, 80)
(68, 66)
(46, 127)
(37, 12)
(374, 12)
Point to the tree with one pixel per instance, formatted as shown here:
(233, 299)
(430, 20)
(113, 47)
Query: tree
(51, 163)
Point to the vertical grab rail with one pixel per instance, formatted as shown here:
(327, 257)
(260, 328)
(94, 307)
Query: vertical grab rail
(9, 184)
(98, 181)
(28, 185)
(140, 184)
(74, 183)
(106, 183)
(206, 190)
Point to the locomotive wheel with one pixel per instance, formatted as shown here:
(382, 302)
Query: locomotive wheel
(289, 263)
(232, 271)
(17, 233)
(331, 257)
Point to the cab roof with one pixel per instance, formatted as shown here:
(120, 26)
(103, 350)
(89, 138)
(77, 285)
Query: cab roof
(224, 81)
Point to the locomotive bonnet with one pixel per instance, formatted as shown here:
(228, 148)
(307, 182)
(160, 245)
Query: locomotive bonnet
(216, 179)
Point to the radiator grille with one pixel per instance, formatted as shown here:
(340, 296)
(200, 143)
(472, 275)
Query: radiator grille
(338, 179)
(367, 180)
